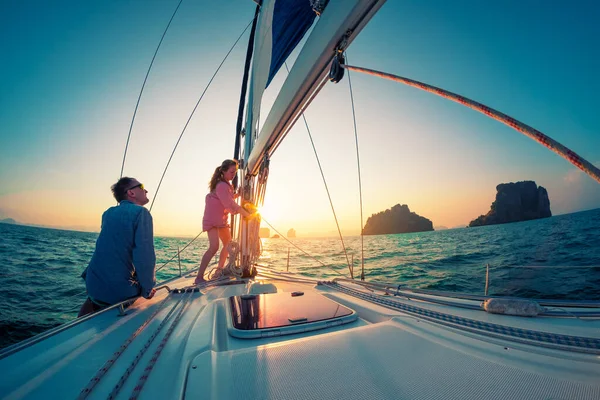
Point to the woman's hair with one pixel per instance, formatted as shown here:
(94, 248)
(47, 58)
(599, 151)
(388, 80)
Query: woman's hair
(218, 174)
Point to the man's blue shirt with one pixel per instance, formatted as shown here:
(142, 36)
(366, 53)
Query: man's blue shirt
(123, 263)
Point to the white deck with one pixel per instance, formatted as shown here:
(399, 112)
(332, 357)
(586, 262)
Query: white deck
(384, 354)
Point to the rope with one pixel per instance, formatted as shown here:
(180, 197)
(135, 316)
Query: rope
(293, 244)
(326, 188)
(194, 110)
(544, 339)
(139, 355)
(233, 248)
(534, 134)
(144, 85)
(110, 362)
(140, 384)
(362, 237)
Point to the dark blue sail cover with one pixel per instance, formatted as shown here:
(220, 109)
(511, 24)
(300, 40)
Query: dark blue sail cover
(291, 20)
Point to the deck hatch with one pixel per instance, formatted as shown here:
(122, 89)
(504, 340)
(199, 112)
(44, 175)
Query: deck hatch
(251, 315)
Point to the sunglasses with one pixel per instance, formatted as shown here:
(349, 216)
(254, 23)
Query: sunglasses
(141, 186)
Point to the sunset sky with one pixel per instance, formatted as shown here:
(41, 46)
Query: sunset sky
(71, 72)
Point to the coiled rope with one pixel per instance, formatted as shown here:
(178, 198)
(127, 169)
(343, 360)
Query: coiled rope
(527, 130)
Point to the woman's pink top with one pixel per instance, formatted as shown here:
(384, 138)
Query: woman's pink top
(219, 203)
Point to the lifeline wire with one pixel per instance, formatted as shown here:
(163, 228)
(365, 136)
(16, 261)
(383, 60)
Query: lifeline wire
(179, 252)
(326, 188)
(194, 110)
(293, 244)
(144, 85)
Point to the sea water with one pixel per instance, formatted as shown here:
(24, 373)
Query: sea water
(557, 257)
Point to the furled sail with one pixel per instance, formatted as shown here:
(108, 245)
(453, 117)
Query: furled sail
(281, 26)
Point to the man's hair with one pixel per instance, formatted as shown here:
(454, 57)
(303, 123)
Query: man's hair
(119, 189)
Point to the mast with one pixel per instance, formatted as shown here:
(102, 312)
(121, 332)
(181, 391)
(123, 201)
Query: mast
(280, 27)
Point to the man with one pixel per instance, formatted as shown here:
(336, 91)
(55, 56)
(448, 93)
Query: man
(123, 263)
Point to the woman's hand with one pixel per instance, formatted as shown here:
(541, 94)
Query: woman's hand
(247, 214)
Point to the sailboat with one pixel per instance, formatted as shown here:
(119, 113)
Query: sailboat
(258, 333)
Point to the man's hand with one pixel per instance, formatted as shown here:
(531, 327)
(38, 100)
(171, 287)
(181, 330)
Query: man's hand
(151, 294)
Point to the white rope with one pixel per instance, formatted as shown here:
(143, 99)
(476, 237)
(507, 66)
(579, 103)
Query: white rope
(233, 248)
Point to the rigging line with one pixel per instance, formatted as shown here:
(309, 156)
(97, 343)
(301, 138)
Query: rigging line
(194, 110)
(85, 392)
(326, 187)
(525, 129)
(362, 245)
(144, 85)
(146, 372)
(113, 394)
(179, 252)
(238, 128)
(293, 244)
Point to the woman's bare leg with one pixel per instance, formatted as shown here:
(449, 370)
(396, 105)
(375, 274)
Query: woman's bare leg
(213, 247)
(225, 235)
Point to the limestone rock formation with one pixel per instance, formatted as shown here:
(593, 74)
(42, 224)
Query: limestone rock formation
(264, 233)
(520, 201)
(398, 219)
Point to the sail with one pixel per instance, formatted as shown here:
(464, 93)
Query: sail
(281, 26)
(339, 23)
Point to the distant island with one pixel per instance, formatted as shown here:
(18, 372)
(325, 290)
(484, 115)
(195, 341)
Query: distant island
(7, 221)
(520, 201)
(264, 233)
(291, 233)
(398, 219)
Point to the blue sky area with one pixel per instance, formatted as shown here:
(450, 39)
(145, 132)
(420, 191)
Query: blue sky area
(71, 72)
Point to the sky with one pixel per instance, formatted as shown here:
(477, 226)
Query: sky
(71, 73)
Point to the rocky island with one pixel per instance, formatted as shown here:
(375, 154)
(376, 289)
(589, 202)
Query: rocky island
(398, 219)
(520, 201)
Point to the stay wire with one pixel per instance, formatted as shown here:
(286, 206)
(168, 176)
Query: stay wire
(194, 110)
(326, 188)
(362, 246)
(144, 85)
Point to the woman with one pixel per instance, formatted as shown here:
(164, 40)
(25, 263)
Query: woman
(220, 202)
